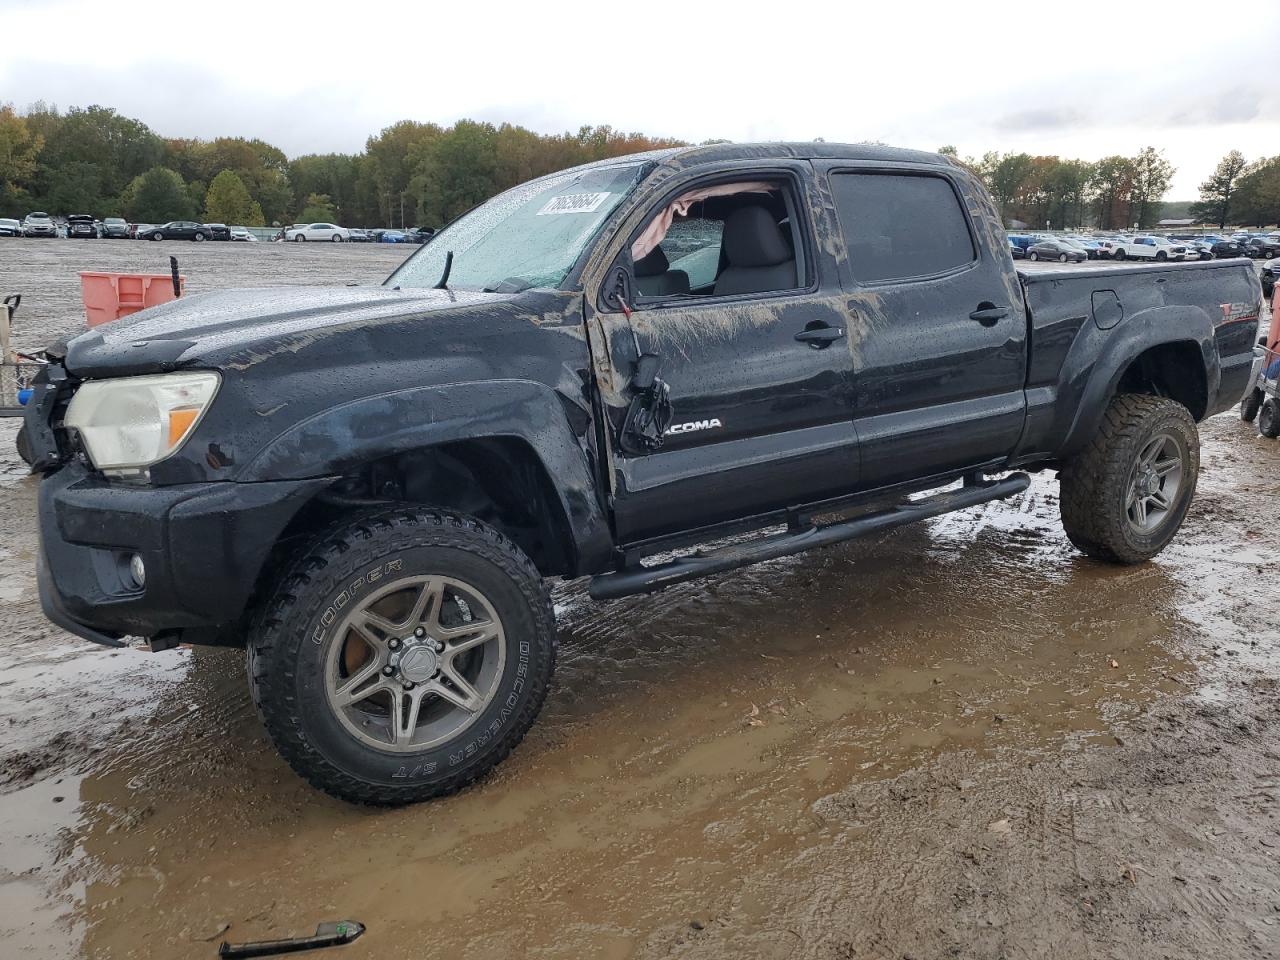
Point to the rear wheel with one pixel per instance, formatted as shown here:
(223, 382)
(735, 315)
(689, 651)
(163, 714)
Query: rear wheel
(336, 238)
(403, 656)
(157, 236)
(1250, 404)
(198, 238)
(1269, 418)
(1125, 495)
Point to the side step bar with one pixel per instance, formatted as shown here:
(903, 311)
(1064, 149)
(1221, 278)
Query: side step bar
(623, 583)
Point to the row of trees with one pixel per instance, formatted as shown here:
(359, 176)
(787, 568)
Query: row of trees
(1040, 191)
(1240, 192)
(94, 160)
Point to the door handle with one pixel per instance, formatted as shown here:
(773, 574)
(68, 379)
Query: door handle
(988, 314)
(819, 337)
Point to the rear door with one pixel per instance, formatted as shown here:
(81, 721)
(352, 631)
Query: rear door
(936, 320)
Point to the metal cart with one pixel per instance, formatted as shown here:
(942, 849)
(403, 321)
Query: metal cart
(17, 370)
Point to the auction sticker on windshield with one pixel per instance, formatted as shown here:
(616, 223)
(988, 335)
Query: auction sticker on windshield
(573, 203)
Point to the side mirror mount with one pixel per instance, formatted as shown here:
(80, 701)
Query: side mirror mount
(618, 292)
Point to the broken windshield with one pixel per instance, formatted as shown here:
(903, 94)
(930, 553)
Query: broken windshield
(529, 236)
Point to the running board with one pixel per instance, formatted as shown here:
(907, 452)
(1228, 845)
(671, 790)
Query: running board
(623, 583)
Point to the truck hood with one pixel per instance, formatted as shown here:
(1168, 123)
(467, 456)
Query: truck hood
(185, 331)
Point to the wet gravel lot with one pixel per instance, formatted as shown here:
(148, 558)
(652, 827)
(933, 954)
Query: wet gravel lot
(960, 739)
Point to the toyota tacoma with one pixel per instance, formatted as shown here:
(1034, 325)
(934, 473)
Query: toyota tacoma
(766, 347)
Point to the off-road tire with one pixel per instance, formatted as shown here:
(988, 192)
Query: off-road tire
(1269, 418)
(1250, 404)
(23, 443)
(286, 663)
(1093, 484)
(1118, 255)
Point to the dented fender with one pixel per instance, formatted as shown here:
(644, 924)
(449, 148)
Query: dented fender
(343, 437)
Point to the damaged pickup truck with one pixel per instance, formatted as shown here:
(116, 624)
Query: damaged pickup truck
(784, 345)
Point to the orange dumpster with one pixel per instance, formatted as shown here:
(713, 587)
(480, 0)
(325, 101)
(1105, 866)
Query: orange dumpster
(110, 296)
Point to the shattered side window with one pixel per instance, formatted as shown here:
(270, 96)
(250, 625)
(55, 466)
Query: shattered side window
(529, 236)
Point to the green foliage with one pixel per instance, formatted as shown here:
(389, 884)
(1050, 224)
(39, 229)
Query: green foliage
(228, 201)
(1216, 192)
(1152, 174)
(318, 209)
(1258, 193)
(157, 196)
(20, 145)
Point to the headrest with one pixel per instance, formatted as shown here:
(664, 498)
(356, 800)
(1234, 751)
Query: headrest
(652, 264)
(752, 238)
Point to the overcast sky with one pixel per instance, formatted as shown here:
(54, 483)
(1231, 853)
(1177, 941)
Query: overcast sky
(1081, 80)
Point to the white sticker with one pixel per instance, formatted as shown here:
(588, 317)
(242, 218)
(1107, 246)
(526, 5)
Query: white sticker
(573, 203)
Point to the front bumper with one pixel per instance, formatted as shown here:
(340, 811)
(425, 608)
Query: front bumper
(204, 546)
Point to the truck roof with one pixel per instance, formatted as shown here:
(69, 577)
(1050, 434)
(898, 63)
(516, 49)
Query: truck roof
(685, 157)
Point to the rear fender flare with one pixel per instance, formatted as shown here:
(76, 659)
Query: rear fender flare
(1121, 346)
(354, 433)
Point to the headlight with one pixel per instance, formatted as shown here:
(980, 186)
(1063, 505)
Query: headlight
(133, 422)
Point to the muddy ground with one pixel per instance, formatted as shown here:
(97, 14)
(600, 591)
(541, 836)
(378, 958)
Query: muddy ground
(960, 739)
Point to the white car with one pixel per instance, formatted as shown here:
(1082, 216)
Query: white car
(1148, 248)
(318, 231)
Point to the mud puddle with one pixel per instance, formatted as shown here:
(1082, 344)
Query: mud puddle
(959, 739)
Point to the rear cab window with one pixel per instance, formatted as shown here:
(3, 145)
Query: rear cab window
(900, 226)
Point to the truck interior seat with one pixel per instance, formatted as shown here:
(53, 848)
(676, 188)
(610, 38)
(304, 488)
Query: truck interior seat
(655, 278)
(759, 257)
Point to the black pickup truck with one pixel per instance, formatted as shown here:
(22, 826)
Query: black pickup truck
(780, 346)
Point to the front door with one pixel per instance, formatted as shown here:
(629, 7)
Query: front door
(939, 331)
(753, 350)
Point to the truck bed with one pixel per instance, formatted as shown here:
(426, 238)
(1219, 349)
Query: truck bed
(1077, 315)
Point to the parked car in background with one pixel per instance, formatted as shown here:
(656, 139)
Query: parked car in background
(114, 228)
(135, 229)
(10, 228)
(176, 230)
(1261, 248)
(1193, 249)
(1223, 248)
(419, 235)
(1056, 249)
(328, 232)
(1087, 244)
(1106, 246)
(1270, 273)
(1022, 240)
(39, 224)
(80, 226)
(219, 231)
(1148, 248)
(242, 234)
(391, 236)
(356, 235)
(1016, 251)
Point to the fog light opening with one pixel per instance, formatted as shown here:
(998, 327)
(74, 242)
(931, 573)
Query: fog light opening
(138, 570)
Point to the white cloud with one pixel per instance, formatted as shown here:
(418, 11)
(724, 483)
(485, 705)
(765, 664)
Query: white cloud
(323, 75)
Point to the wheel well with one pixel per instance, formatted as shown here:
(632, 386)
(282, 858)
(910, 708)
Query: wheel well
(1173, 370)
(498, 480)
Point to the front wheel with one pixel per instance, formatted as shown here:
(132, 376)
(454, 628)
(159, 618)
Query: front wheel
(1033, 255)
(403, 656)
(1125, 495)
(1118, 255)
(299, 239)
(1161, 255)
(1269, 418)
(1062, 258)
